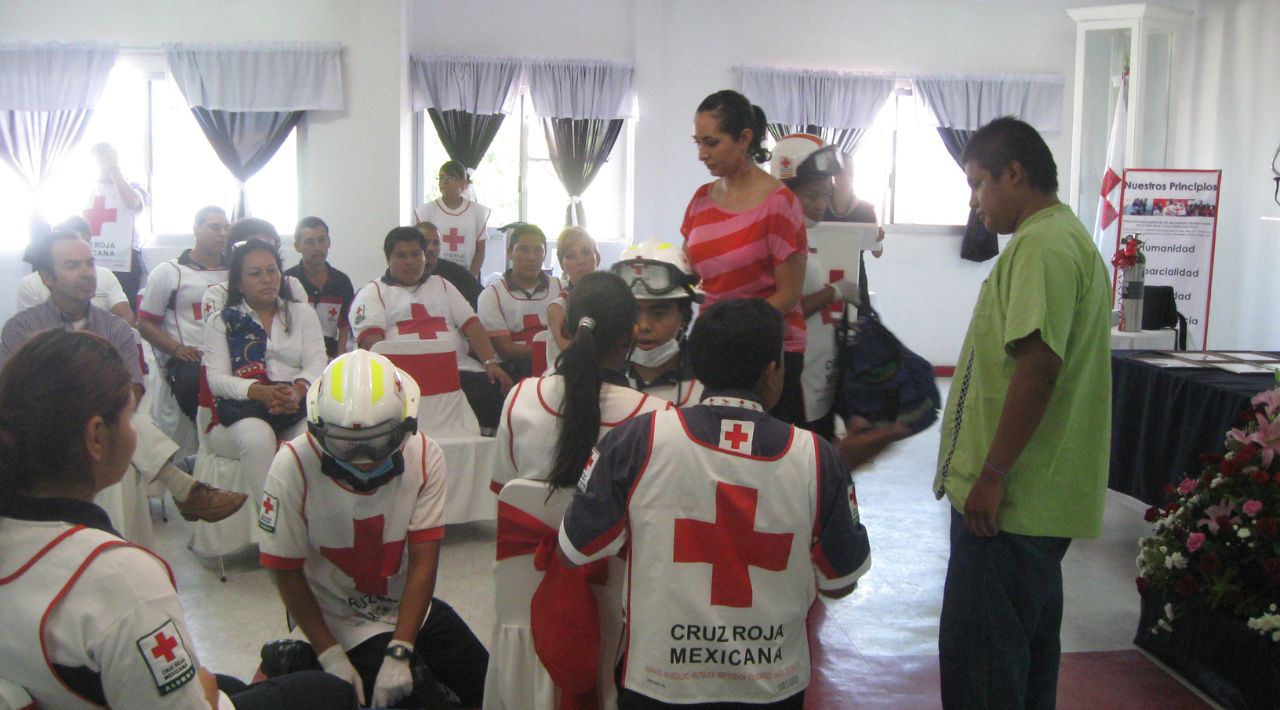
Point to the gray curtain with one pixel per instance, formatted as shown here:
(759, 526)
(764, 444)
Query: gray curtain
(33, 142)
(578, 149)
(978, 243)
(466, 136)
(245, 141)
(846, 139)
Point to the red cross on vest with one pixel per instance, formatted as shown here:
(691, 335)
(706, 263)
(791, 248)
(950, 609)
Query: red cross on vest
(98, 215)
(731, 545)
(164, 647)
(421, 323)
(532, 326)
(369, 561)
(453, 238)
(333, 311)
(736, 436)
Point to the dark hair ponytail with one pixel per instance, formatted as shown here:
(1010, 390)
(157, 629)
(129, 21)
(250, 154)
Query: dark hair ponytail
(601, 316)
(735, 114)
(49, 390)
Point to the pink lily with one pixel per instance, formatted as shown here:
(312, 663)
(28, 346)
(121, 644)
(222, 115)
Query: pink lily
(1268, 437)
(1270, 398)
(1216, 512)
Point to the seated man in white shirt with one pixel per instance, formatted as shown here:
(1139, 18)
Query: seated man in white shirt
(109, 296)
(409, 302)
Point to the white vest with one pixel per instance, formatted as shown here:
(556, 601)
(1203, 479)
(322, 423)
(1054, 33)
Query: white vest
(721, 577)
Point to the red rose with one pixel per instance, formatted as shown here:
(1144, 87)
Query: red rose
(1144, 586)
(1267, 528)
(1259, 476)
(1152, 514)
(1169, 490)
(1210, 563)
(1187, 586)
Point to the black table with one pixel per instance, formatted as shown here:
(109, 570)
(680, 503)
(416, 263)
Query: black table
(1162, 419)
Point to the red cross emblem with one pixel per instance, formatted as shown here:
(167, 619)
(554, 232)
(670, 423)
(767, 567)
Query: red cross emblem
(786, 162)
(421, 323)
(532, 326)
(99, 215)
(267, 505)
(369, 561)
(731, 545)
(639, 268)
(333, 312)
(736, 436)
(164, 647)
(453, 239)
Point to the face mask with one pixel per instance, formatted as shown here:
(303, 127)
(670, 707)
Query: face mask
(363, 475)
(657, 356)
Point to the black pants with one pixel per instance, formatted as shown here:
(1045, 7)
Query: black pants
(790, 407)
(305, 690)
(485, 398)
(453, 655)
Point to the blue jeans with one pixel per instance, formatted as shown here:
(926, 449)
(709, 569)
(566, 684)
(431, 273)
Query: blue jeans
(998, 644)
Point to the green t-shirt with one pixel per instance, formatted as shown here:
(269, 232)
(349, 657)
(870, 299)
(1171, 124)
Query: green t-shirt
(1050, 278)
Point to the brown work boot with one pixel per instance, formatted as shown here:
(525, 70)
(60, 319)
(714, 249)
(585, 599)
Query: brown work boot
(210, 504)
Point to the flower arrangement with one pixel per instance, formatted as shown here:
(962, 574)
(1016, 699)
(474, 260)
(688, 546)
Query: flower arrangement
(1216, 544)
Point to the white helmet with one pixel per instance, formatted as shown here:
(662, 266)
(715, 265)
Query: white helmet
(804, 156)
(657, 270)
(363, 408)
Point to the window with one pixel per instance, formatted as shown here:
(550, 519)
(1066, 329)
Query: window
(517, 181)
(163, 151)
(904, 169)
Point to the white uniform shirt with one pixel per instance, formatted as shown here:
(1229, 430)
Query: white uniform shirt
(819, 378)
(353, 548)
(460, 230)
(33, 292)
(174, 298)
(432, 309)
(120, 619)
(530, 424)
(297, 354)
(517, 313)
(215, 297)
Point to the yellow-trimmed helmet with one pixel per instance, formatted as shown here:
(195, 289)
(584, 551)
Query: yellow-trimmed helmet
(804, 157)
(655, 269)
(363, 408)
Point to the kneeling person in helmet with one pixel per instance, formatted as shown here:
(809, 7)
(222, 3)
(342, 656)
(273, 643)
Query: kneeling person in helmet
(663, 283)
(351, 520)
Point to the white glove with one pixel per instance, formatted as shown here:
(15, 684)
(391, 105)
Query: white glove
(395, 681)
(847, 291)
(335, 662)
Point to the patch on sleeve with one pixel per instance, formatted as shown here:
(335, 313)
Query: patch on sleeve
(167, 658)
(359, 317)
(853, 504)
(269, 512)
(586, 470)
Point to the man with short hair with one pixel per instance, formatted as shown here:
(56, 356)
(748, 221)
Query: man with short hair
(737, 520)
(328, 290)
(1023, 458)
(109, 296)
(408, 302)
(172, 314)
(66, 266)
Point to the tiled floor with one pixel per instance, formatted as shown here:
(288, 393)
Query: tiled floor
(876, 648)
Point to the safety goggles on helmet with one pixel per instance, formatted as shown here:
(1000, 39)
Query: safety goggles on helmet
(823, 162)
(648, 276)
(362, 445)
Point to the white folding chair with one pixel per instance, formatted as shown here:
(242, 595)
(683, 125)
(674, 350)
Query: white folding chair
(238, 531)
(516, 678)
(446, 417)
(545, 352)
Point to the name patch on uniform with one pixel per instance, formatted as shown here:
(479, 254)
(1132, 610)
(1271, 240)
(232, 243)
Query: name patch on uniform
(586, 470)
(269, 512)
(359, 317)
(736, 435)
(166, 656)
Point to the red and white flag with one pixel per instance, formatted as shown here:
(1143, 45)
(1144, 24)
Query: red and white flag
(1104, 227)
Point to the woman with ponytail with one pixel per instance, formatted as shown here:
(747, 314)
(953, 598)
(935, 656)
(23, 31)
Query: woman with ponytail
(550, 424)
(91, 620)
(744, 232)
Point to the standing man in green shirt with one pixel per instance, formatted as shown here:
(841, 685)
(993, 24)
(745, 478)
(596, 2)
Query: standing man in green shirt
(1026, 432)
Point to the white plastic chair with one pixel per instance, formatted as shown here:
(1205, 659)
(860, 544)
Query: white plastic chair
(516, 678)
(545, 352)
(446, 417)
(238, 531)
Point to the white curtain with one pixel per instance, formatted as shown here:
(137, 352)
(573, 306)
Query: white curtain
(969, 102)
(822, 98)
(581, 89)
(477, 85)
(53, 77)
(258, 76)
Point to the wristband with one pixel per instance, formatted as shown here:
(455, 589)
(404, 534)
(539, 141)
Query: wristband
(1002, 474)
(492, 361)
